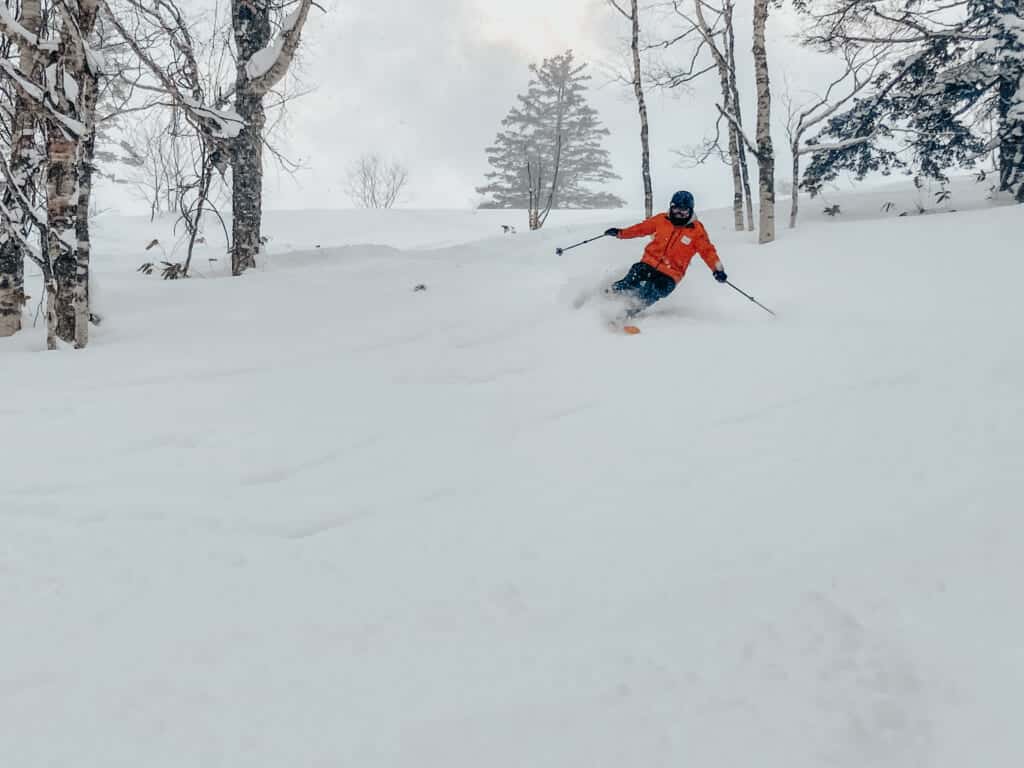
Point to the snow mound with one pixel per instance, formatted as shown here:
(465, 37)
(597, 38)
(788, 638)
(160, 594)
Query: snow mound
(403, 505)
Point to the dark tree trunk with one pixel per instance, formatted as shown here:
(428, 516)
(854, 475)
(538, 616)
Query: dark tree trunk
(252, 33)
(1011, 136)
(247, 184)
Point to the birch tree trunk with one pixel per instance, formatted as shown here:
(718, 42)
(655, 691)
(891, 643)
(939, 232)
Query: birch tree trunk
(735, 143)
(253, 80)
(70, 291)
(62, 215)
(638, 88)
(24, 168)
(722, 64)
(795, 204)
(61, 209)
(247, 184)
(534, 218)
(765, 153)
(533, 206)
(86, 155)
(252, 34)
(740, 145)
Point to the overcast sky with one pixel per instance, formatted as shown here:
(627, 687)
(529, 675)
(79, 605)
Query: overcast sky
(427, 83)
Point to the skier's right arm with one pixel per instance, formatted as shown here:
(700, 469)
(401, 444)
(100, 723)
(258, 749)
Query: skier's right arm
(638, 230)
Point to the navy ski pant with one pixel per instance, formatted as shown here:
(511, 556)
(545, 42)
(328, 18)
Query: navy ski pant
(644, 285)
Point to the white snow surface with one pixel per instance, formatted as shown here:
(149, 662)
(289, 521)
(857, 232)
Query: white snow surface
(312, 517)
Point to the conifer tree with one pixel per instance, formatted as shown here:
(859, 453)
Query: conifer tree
(955, 76)
(549, 149)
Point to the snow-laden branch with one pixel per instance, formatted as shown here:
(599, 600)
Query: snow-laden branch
(27, 209)
(752, 146)
(269, 65)
(31, 90)
(218, 123)
(37, 94)
(30, 248)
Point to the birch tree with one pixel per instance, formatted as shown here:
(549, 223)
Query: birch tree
(86, 67)
(741, 152)
(63, 88)
(857, 75)
(262, 64)
(765, 153)
(713, 27)
(25, 163)
(633, 17)
(163, 40)
(761, 147)
(722, 46)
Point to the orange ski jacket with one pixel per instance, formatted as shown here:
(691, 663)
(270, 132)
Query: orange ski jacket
(672, 248)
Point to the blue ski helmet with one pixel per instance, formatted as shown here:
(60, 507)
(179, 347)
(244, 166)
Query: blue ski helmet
(680, 210)
(682, 199)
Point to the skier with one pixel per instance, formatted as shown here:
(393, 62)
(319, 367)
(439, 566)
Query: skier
(678, 236)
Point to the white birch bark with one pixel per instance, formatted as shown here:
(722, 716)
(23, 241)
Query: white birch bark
(69, 293)
(765, 152)
(741, 149)
(722, 65)
(86, 155)
(24, 168)
(794, 207)
(641, 102)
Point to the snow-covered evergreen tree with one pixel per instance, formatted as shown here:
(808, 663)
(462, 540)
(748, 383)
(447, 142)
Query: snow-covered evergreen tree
(549, 150)
(960, 70)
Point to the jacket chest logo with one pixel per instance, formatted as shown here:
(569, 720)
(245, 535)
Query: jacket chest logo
(686, 239)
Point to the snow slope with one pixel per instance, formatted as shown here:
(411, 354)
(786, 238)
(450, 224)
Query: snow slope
(313, 517)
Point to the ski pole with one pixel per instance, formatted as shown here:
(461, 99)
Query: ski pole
(560, 251)
(762, 306)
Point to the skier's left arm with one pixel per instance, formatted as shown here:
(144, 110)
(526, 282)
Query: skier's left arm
(709, 253)
(645, 227)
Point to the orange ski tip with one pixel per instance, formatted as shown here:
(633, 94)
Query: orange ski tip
(631, 329)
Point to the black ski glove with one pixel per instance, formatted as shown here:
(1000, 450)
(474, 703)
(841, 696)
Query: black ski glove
(720, 276)
(613, 232)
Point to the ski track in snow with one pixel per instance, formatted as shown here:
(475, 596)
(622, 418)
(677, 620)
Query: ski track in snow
(315, 517)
